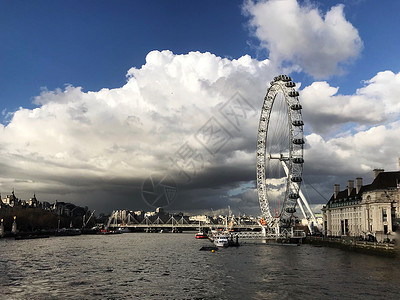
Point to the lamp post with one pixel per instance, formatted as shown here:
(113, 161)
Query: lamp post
(1, 228)
(14, 226)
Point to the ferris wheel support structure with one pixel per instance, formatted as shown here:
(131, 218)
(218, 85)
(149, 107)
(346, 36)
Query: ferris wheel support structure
(310, 217)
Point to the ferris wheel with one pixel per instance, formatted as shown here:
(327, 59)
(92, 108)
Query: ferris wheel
(280, 154)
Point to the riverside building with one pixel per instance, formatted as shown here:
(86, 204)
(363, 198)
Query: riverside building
(369, 211)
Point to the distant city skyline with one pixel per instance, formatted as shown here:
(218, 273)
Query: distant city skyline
(100, 98)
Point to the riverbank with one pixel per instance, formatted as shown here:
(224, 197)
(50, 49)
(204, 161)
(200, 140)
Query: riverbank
(22, 235)
(351, 244)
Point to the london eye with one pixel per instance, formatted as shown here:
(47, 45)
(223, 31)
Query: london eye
(280, 154)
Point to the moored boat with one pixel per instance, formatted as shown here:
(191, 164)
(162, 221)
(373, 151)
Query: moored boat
(68, 232)
(123, 229)
(201, 235)
(106, 231)
(221, 241)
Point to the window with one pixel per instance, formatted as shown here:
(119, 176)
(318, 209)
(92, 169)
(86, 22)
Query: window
(384, 215)
(346, 226)
(393, 216)
(342, 227)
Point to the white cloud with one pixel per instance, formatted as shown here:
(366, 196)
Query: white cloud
(74, 138)
(376, 103)
(377, 147)
(352, 134)
(385, 88)
(300, 34)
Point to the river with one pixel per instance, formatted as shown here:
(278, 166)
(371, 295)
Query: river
(170, 266)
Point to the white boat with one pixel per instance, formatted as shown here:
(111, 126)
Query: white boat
(123, 229)
(221, 241)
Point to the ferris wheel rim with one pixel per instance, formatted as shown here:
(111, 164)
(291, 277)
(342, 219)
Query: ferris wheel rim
(294, 162)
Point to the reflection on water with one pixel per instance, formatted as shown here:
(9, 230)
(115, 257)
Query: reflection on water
(170, 266)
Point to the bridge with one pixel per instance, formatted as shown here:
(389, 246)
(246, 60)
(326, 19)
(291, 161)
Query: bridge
(191, 226)
(243, 230)
(130, 222)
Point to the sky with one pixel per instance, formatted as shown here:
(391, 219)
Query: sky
(104, 103)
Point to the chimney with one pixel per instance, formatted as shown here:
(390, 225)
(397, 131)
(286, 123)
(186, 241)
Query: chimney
(350, 187)
(336, 190)
(358, 184)
(377, 172)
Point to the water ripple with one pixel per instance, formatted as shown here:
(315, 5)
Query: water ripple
(170, 266)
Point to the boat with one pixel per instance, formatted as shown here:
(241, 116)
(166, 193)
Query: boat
(123, 229)
(233, 242)
(201, 235)
(221, 241)
(68, 232)
(106, 231)
(208, 248)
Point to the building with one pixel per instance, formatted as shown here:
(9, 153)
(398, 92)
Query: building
(33, 202)
(369, 211)
(199, 218)
(11, 200)
(68, 209)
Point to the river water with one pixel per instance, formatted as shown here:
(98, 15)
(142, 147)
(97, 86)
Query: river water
(170, 266)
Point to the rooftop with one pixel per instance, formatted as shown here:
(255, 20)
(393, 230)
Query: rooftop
(383, 181)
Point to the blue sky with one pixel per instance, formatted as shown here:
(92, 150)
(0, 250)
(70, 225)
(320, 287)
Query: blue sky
(52, 53)
(92, 44)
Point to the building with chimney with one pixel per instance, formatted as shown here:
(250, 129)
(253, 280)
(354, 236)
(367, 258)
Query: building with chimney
(369, 211)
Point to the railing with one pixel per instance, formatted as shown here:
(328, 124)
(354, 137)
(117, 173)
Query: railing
(352, 243)
(250, 235)
(365, 244)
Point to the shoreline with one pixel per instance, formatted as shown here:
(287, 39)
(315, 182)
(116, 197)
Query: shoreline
(373, 248)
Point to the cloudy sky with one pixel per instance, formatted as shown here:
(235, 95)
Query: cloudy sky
(101, 98)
